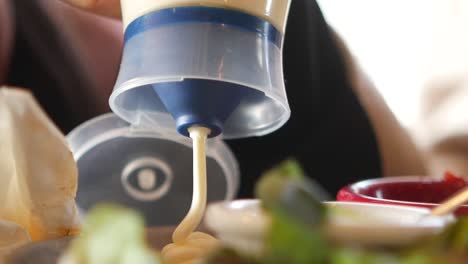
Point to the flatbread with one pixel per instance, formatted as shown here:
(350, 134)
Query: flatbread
(38, 175)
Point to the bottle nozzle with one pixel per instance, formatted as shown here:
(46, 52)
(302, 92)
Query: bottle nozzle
(197, 102)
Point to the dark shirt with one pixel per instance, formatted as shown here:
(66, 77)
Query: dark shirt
(329, 131)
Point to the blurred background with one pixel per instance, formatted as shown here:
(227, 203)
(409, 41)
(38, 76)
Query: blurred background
(404, 45)
(416, 54)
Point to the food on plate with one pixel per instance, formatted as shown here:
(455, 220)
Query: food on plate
(297, 232)
(193, 249)
(38, 175)
(111, 235)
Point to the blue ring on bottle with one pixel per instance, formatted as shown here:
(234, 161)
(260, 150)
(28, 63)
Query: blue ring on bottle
(211, 15)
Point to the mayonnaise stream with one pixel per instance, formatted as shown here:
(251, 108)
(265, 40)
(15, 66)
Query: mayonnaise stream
(189, 247)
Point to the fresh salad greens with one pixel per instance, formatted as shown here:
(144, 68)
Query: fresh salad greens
(293, 207)
(111, 235)
(284, 191)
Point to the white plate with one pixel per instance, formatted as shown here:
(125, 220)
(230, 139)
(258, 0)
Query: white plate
(242, 223)
(382, 225)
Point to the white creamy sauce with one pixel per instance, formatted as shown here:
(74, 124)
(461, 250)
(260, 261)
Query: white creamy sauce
(189, 246)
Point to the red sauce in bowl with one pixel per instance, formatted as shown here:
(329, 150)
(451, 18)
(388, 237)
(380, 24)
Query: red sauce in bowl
(414, 191)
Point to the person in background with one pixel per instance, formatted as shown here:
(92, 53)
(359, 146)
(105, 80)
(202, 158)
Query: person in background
(341, 130)
(442, 130)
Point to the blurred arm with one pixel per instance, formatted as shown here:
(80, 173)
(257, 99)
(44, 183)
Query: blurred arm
(399, 154)
(443, 128)
(110, 8)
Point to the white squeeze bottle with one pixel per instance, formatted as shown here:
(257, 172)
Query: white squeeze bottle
(215, 66)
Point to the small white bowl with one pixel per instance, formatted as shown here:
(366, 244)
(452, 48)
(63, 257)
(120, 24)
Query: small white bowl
(242, 224)
(381, 225)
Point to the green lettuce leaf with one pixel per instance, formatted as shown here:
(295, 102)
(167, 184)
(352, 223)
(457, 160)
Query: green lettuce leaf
(296, 215)
(111, 235)
(286, 190)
